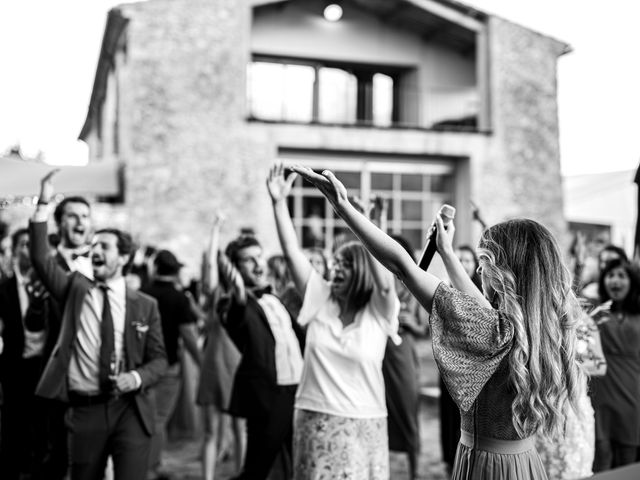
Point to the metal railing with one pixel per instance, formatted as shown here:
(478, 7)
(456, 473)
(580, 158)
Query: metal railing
(433, 108)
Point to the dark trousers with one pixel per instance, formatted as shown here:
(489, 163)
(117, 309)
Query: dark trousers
(112, 427)
(268, 435)
(610, 454)
(24, 424)
(56, 462)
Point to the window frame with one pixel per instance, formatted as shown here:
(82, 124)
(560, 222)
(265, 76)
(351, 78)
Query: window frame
(363, 73)
(366, 166)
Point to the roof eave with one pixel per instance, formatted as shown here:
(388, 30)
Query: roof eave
(116, 23)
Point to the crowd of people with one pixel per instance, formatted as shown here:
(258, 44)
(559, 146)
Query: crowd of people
(307, 359)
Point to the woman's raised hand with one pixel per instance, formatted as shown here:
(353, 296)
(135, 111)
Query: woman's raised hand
(278, 186)
(327, 183)
(444, 239)
(218, 219)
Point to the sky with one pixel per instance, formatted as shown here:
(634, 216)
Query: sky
(49, 51)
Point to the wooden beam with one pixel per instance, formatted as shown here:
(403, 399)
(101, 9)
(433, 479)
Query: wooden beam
(259, 3)
(448, 14)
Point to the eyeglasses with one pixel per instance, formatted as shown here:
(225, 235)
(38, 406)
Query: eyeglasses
(341, 263)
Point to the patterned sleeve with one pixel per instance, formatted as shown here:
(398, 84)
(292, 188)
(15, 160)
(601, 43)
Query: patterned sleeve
(469, 342)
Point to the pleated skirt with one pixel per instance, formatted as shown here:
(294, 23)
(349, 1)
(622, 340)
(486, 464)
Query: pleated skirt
(493, 459)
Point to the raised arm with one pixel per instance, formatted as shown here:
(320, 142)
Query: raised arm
(211, 274)
(387, 251)
(232, 278)
(457, 274)
(52, 275)
(279, 188)
(384, 292)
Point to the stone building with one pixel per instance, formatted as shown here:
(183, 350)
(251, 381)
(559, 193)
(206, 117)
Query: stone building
(418, 101)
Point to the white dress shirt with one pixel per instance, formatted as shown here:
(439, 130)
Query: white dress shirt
(79, 264)
(84, 369)
(343, 365)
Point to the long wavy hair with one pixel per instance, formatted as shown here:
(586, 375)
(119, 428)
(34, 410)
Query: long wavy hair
(526, 280)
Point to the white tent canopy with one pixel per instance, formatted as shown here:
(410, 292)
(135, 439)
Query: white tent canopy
(20, 178)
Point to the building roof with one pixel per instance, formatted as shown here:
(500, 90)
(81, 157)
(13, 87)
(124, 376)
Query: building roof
(446, 21)
(116, 24)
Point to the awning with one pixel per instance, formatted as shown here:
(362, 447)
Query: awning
(19, 178)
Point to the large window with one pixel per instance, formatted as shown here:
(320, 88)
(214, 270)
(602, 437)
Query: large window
(412, 191)
(306, 91)
(278, 91)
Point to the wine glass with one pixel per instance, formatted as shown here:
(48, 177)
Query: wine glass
(116, 366)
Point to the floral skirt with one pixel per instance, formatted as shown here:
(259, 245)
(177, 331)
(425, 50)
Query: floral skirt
(327, 447)
(571, 457)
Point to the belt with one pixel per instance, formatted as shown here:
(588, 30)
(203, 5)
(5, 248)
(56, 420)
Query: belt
(494, 445)
(81, 399)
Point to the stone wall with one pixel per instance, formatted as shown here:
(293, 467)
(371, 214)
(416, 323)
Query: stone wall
(520, 175)
(186, 149)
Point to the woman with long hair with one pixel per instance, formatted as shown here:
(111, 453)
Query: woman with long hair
(340, 425)
(508, 356)
(616, 396)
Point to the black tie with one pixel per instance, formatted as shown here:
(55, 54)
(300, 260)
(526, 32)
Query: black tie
(76, 255)
(260, 291)
(107, 347)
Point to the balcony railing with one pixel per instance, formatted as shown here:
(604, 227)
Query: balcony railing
(442, 108)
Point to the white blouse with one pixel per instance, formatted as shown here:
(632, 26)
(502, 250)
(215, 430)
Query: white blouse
(342, 372)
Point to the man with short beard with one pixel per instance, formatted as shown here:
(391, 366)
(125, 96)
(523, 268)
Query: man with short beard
(109, 352)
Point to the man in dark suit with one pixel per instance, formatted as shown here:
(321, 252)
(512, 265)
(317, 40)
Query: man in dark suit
(73, 221)
(108, 353)
(270, 342)
(28, 340)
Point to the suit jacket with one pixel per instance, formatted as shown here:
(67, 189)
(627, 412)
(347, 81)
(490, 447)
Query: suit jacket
(255, 382)
(13, 331)
(144, 347)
